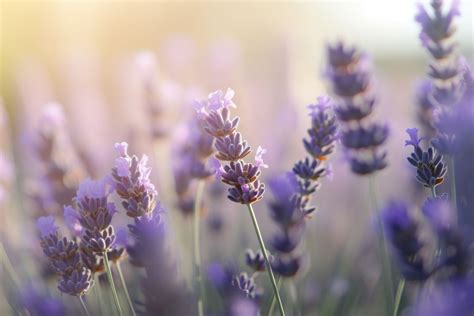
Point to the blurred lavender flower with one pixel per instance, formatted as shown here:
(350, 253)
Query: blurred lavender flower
(61, 169)
(243, 177)
(191, 153)
(402, 234)
(146, 66)
(349, 74)
(65, 258)
(430, 167)
(246, 284)
(446, 70)
(454, 259)
(452, 298)
(160, 284)
(236, 301)
(38, 304)
(255, 261)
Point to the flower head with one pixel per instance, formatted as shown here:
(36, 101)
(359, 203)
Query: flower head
(46, 225)
(259, 157)
(414, 139)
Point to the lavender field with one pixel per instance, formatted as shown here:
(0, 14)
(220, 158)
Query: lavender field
(237, 158)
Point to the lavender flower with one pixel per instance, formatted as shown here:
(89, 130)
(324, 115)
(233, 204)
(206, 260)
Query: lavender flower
(40, 304)
(131, 177)
(446, 70)
(160, 285)
(256, 261)
(348, 72)
(243, 177)
(430, 167)
(247, 285)
(65, 258)
(402, 234)
(58, 160)
(95, 214)
(192, 150)
(454, 258)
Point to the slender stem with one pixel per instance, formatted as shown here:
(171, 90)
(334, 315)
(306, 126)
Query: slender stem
(267, 262)
(124, 285)
(99, 293)
(398, 297)
(383, 249)
(294, 295)
(272, 305)
(433, 191)
(452, 184)
(197, 247)
(111, 282)
(84, 307)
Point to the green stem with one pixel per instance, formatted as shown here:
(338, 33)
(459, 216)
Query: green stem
(99, 292)
(267, 262)
(452, 184)
(111, 282)
(124, 285)
(294, 295)
(272, 305)
(84, 307)
(197, 247)
(398, 297)
(383, 249)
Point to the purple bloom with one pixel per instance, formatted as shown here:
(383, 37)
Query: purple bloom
(439, 212)
(349, 74)
(46, 226)
(256, 261)
(121, 149)
(430, 167)
(218, 100)
(216, 167)
(402, 234)
(71, 218)
(259, 157)
(414, 139)
(134, 187)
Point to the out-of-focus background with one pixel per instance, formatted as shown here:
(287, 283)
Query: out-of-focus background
(90, 57)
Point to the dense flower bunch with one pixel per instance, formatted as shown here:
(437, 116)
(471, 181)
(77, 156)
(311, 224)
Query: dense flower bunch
(60, 168)
(192, 151)
(94, 213)
(430, 167)
(292, 193)
(348, 72)
(446, 71)
(65, 258)
(131, 177)
(238, 291)
(231, 148)
(403, 235)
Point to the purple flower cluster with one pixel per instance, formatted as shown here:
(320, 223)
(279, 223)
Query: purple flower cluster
(243, 177)
(94, 213)
(452, 256)
(446, 70)
(430, 167)
(403, 235)
(65, 258)
(131, 177)
(192, 151)
(292, 193)
(348, 72)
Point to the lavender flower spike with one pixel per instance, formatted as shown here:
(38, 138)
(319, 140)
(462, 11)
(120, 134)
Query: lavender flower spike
(131, 178)
(46, 225)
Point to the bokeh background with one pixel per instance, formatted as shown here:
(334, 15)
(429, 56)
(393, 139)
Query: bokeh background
(90, 57)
